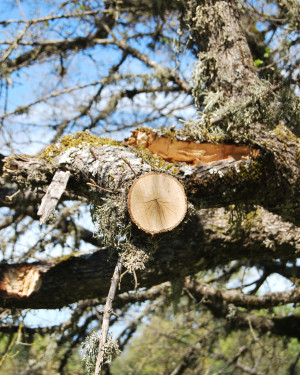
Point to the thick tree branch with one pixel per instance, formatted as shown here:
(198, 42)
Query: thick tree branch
(202, 290)
(212, 243)
(272, 181)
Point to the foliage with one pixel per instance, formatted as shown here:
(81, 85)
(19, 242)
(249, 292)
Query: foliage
(161, 341)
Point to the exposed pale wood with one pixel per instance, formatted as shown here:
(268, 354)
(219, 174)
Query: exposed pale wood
(157, 202)
(53, 194)
(20, 281)
(172, 149)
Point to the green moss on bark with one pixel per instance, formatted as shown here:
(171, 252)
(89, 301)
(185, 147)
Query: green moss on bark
(76, 140)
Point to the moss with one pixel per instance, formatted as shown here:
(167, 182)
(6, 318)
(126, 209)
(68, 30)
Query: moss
(170, 133)
(157, 163)
(145, 129)
(285, 134)
(244, 173)
(250, 218)
(66, 257)
(177, 287)
(75, 140)
(298, 157)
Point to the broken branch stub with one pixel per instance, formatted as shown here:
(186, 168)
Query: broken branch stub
(157, 203)
(54, 192)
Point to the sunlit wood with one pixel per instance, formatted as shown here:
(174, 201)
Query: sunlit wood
(174, 150)
(157, 202)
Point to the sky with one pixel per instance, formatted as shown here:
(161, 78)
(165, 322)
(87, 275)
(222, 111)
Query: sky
(23, 88)
(36, 81)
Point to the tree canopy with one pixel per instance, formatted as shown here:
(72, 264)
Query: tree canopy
(95, 95)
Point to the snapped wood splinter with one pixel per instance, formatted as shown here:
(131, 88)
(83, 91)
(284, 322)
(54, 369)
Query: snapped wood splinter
(157, 203)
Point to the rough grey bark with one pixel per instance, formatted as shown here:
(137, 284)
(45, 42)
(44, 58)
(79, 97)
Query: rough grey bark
(213, 242)
(224, 51)
(271, 180)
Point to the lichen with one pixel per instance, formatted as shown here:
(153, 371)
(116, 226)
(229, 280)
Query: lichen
(112, 224)
(225, 120)
(115, 229)
(292, 12)
(284, 133)
(76, 140)
(90, 349)
(134, 258)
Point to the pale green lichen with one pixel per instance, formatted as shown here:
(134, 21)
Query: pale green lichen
(90, 349)
(134, 258)
(114, 228)
(292, 12)
(76, 140)
(112, 224)
(224, 120)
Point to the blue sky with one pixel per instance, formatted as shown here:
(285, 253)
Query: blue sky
(24, 86)
(36, 81)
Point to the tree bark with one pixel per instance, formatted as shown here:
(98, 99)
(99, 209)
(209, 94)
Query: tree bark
(212, 242)
(271, 180)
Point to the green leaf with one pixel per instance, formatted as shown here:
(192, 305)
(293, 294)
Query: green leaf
(267, 53)
(258, 62)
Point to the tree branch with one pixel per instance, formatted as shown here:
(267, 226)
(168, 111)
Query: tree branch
(211, 244)
(106, 315)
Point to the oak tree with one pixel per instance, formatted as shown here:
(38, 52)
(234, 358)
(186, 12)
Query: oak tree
(209, 90)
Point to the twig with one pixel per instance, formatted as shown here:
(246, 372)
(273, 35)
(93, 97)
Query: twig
(189, 294)
(107, 314)
(123, 274)
(10, 197)
(292, 368)
(136, 284)
(251, 330)
(93, 183)
(14, 44)
(127, 162)
(11, 344)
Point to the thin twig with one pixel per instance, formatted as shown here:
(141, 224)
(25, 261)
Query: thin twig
(10, 197)
(136, 284)
(127, 162)
(93, 183)
(251, 330)
(11, 344)
(107, 314)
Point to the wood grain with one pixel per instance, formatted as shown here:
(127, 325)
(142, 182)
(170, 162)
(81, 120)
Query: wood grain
(157, 202)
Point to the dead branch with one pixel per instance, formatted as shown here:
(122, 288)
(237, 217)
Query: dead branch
(108, 309)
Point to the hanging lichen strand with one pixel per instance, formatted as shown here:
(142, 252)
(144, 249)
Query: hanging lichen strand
(114, 228)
